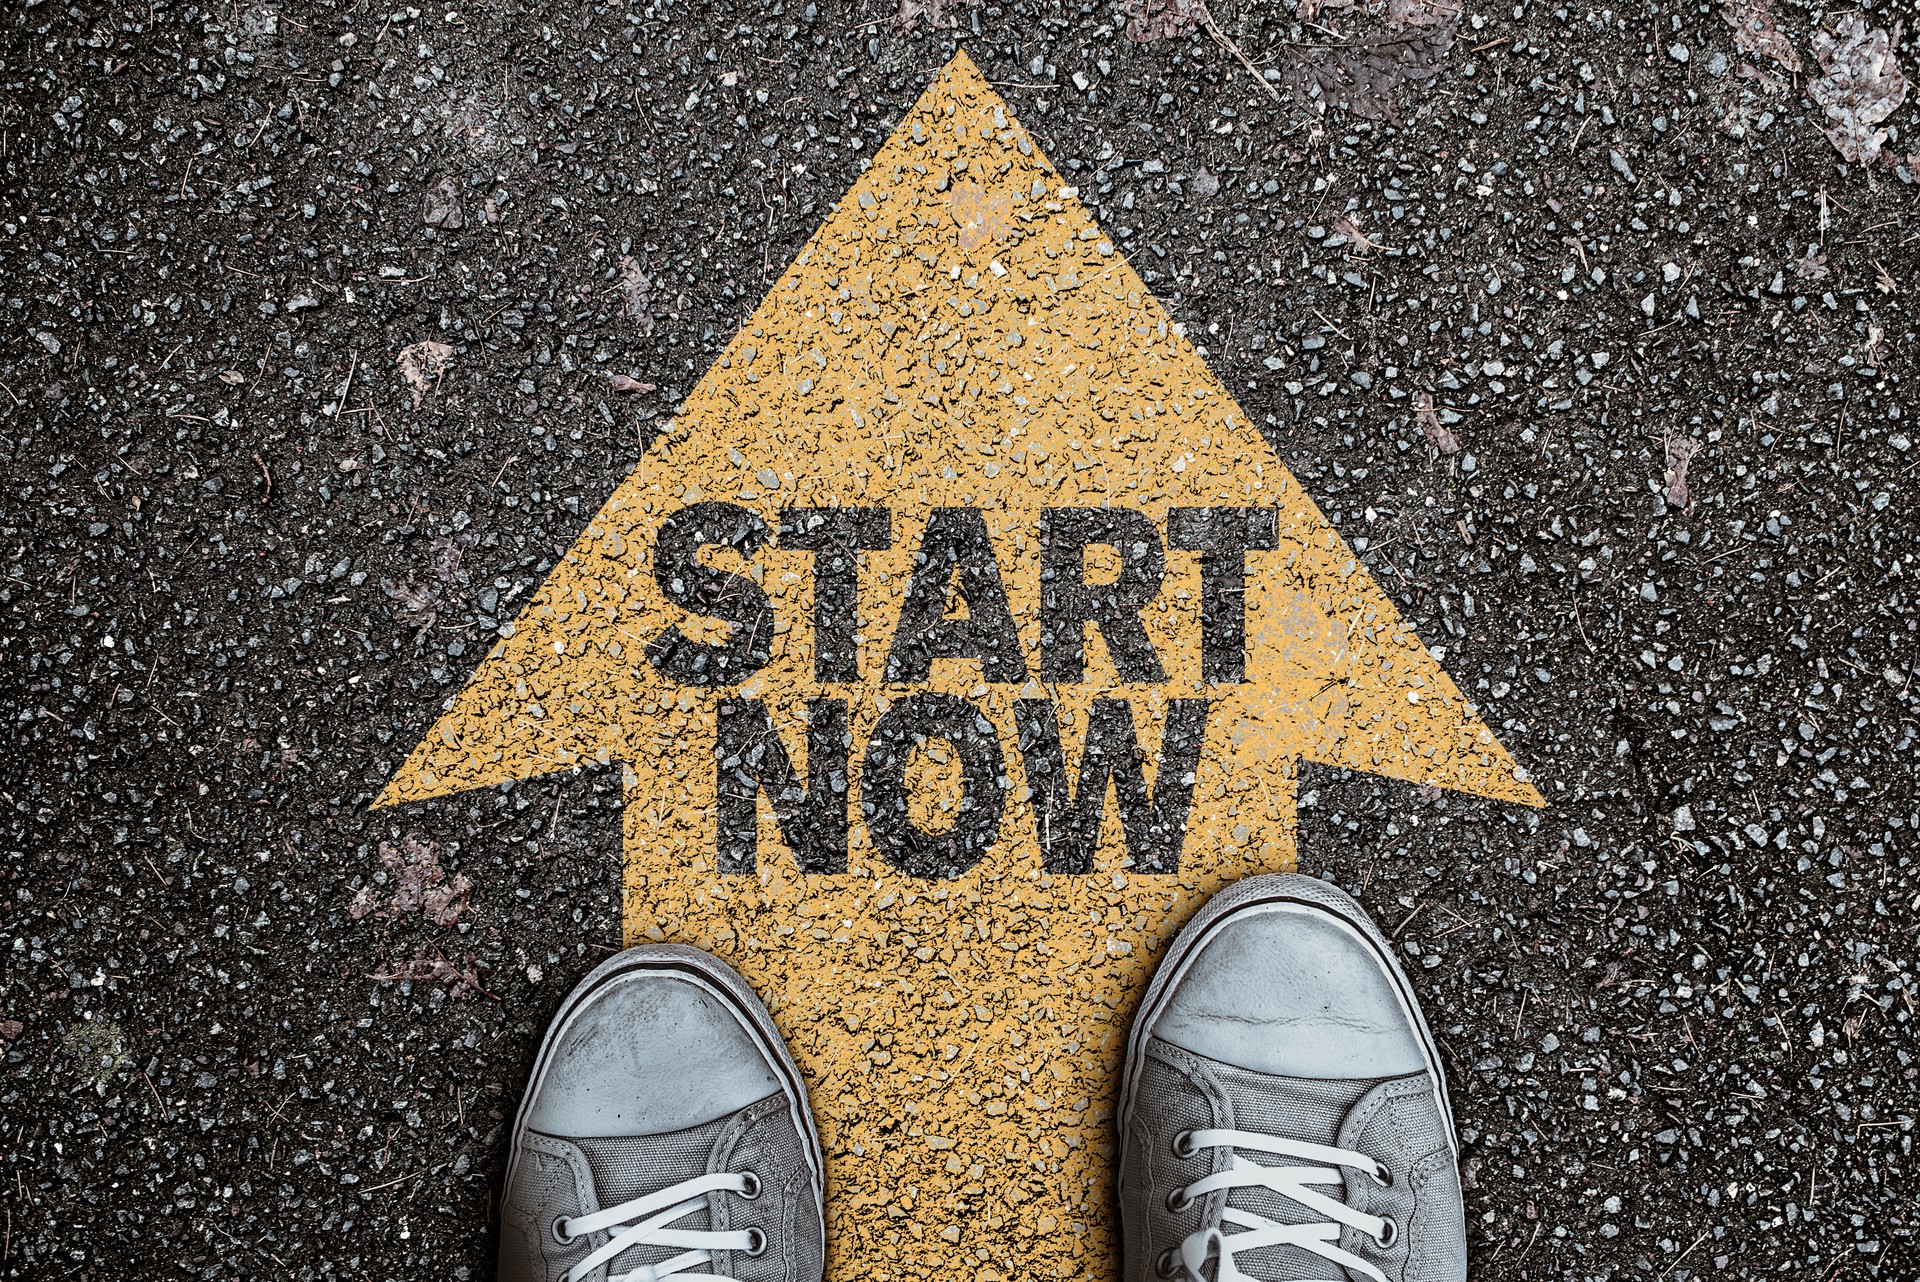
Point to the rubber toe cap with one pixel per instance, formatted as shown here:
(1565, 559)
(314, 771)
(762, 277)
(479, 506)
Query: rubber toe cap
(1292, 991)
(648, 1054)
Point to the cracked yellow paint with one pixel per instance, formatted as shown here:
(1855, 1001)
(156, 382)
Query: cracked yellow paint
(958, 333)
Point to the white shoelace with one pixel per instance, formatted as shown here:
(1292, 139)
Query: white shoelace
(643, 1221)
(1321, 1239)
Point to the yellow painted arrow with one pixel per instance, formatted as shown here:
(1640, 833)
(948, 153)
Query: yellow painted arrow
(959, 540)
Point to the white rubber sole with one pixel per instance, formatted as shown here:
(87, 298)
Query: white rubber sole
(734, 995)
(1271, 892)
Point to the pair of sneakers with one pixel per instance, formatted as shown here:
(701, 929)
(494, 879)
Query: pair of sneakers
(1283, 1116)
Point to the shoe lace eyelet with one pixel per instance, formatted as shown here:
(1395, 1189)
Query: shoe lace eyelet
(1168, 1263)
(751, 1186)
(1183, 1144)
(1383, 1177)
(1389, 1233)
(1178, 1201)
(561, 1234)
(756, 1242)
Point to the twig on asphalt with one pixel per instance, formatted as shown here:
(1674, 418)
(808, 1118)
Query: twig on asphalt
(1225, 42)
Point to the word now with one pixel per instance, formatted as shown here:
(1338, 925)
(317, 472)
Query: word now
(954, 551)
(813, 812)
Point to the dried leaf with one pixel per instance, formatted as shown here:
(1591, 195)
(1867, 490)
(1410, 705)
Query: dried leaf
(445, 553)
(443, 904)
(636, 293)
(1402, 14)
(1772, 85)
(1362, 244)
(11, 1028)
(422, 364)
(1812, 267)
(414, 865)
(432, 966)
(1756, 31)
(934, 11)
(421, 885)
(1149, 20)
(1439, 435)
(1205, 184)
(1680, 452)
(441, 207)
(1862, 86)
(1365, 74)
(419, 606)
(632, 386)
(1310, 10)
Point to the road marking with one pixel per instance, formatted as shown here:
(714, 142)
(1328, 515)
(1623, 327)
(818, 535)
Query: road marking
(956, 641)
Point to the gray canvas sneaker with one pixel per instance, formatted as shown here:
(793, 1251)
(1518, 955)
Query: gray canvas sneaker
(1283, 1114)
(665, 1133)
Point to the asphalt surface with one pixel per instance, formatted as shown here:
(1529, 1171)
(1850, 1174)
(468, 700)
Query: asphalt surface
(250, 1029)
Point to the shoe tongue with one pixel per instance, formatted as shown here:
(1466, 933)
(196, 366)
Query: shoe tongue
(1308, 1109)
(1311, 1110)
(628, 1166)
